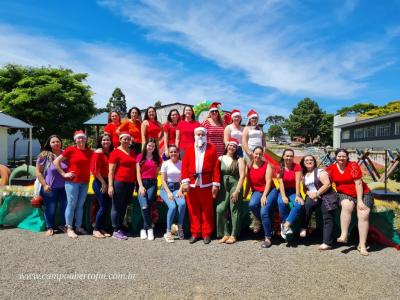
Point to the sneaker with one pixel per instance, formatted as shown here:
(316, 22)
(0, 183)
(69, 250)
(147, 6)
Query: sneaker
(143, 234)
(283, 234)
(150, 234)
(181, 233)
(169, 238)
(119, 235)
(124, 232)
(81, 230)
(71, 233)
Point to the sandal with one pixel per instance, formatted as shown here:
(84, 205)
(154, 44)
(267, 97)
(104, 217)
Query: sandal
(105, 233)
(363, 251)
(98, 234)
(342, 240)
(324, 247)
(223, 240)
(231, 240)
(50, 232)
(63, 228)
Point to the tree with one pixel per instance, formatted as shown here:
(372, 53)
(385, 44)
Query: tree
(274, 131)
(305, 120)
(275, 120)
(117, 102)
(157, 104)
(378, 111)
(326, 129)
(359, 108)
(54, 101)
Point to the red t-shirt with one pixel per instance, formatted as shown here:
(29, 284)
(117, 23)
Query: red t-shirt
(171, 131)
(111, 129)
(257, 178)
(78, 163)
(125, 170)
(289, 176)
(186, 133)
(345, 182)
(153, 129)
(99, 164)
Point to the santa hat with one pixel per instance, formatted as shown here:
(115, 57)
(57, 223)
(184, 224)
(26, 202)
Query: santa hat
(200, 129)
(233, 141)
(252, 113)
(78, 134)
(124, 134)
(235, 113)
(214, 106)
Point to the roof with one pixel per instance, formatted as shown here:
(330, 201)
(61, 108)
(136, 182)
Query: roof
(371, 120)
(11, 122)
(100, 119)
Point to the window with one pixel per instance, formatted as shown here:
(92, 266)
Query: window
(369, 131)
(397, 128)
(346, 135)
(383, 130)
(359, 133)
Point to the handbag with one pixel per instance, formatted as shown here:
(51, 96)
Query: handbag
(37, 200)
(329, 198)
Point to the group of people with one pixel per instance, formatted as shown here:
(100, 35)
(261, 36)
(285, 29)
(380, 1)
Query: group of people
(203, 169)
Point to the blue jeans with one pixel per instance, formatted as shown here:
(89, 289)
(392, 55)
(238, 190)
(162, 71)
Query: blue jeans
(147, 200)
(76, 196)
(52, 199)
(104, 202)
(287, 214)
(264, 213)
(173, 204)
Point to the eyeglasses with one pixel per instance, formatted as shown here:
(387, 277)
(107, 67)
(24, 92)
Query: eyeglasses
(214, 111)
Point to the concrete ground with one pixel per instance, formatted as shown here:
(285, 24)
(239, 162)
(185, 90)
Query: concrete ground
(157, 270)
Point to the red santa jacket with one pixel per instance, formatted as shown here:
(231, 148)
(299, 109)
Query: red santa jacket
(208, 174)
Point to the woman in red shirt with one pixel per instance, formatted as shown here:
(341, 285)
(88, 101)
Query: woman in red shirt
(99, 169)
(289, 177)
(185, 130)
(77, 179)
(132, 125)
(215, 128)
(114, 121)
(151, 128)
(264, 194)
(170, 130)
(121, 182)
(352, 191)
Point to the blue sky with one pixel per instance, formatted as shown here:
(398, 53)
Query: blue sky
(265, 55)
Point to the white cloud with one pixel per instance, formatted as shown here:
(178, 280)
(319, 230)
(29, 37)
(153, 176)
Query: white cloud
(264, 40)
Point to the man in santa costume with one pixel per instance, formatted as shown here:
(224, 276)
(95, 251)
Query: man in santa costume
(201, 180)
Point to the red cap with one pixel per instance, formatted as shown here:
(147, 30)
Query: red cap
(233, 141)
(252, 113)
(214, 106)
(235, 113)
(79, 133)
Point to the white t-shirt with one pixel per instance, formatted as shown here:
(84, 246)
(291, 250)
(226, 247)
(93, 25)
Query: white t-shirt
(172, 170)
(309, 180)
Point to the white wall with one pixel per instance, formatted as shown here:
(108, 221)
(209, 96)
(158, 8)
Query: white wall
(337, 121)
(3, 146)
(21, 146)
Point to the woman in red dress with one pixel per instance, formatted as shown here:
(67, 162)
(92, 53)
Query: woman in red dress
(114, 121)
(215, 128)
(352, 192)
(170, 130)
(185, 130)
(151, 128)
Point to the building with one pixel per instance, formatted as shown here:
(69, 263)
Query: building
(373, 133)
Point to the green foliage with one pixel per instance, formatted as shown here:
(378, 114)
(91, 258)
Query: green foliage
(359, 108)
(54, 101)
(389, 108)
(157, 104)
(117, 102)
(274, 131)
(326, 129)
(305, 120)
